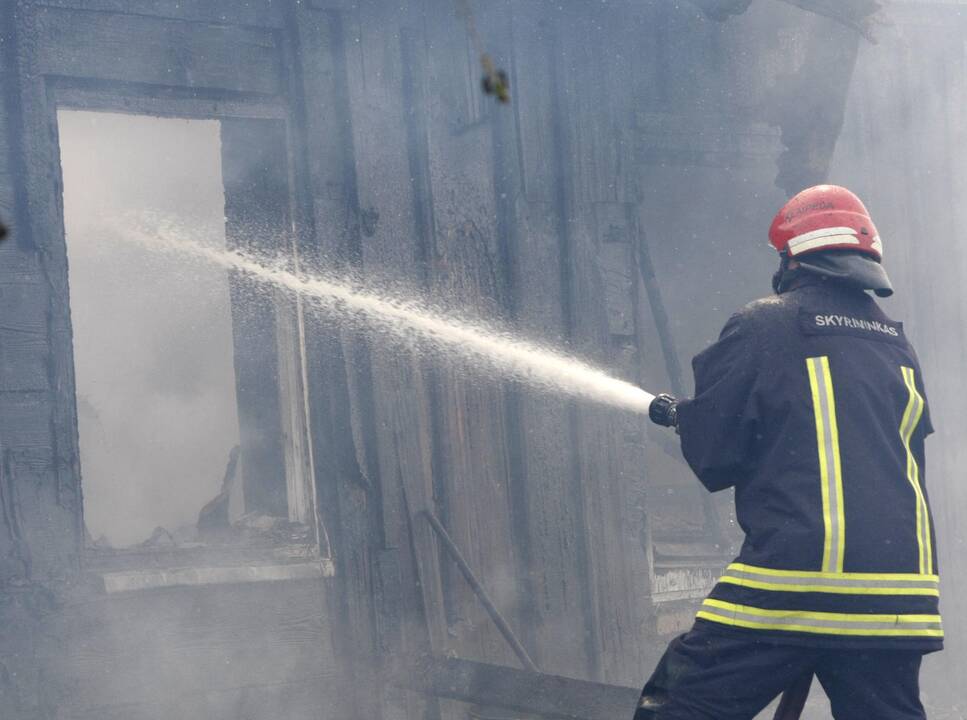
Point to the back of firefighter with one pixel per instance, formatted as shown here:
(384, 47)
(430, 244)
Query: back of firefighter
(812, 406)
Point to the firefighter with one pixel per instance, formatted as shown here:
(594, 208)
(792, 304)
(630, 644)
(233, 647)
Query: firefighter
(811, 405)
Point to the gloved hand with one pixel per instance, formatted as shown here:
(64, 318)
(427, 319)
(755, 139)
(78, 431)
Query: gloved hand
(664, 410)
(3, 230)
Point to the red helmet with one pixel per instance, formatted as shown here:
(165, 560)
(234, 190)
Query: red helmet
(825, 217)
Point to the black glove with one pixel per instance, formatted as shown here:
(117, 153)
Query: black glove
(664, 410)
(3, 230)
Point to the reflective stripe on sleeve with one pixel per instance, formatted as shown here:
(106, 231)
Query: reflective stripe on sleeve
(911, 418)
(830, 469)
(837, 583)
(821, 623)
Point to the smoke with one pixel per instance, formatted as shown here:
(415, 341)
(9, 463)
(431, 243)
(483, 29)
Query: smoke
(152, 334)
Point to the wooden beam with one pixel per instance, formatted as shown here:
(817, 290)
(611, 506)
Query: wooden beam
(480, 592)
(496, 686)
(155, 51)
(256, 13)
(141, 580)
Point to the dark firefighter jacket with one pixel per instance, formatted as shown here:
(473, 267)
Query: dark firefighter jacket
(812, 406)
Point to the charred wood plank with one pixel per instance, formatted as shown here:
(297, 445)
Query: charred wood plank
(549, 696)
(384, 71)
(471, 446)
(156, 51)
(347, 472)
(546, 500)
(256, 13)
(596, 200)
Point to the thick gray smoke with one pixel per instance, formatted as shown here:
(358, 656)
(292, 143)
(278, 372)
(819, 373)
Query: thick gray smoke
(152, 333)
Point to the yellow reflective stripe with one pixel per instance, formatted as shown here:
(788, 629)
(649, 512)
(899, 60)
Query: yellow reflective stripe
(823, 470)
(830, 467)
(906, 432)
(837, 473)
(792, 627)
(911, 418)
(824, 623)
(826, 616)
(824, 582)
(833, 589)
(897, 577)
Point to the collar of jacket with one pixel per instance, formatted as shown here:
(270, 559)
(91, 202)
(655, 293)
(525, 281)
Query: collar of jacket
(845, 269)
(798, 279)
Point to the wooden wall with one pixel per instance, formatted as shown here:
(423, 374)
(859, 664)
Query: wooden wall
(630, 179)
(619, 135)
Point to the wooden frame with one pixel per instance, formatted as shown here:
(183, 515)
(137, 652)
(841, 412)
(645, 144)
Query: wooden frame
(51, 79)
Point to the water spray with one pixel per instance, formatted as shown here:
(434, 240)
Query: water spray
(487, 348)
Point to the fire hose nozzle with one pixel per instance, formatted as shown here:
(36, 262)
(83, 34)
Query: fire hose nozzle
(664, 410)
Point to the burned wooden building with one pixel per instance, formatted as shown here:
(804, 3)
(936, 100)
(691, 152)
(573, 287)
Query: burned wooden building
(617, 206)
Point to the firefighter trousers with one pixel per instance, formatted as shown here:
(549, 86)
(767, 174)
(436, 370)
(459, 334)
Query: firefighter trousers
(708, 676)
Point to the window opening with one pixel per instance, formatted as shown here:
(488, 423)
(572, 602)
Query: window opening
(188, 382)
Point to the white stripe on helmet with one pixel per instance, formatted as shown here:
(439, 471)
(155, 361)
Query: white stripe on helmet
(824, 237)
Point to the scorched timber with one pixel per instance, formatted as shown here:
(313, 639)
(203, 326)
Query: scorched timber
(497, 686)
